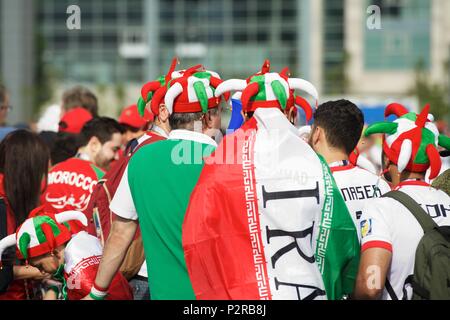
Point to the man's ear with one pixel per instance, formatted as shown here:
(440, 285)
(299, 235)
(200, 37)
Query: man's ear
(292, 116)
(207, 120)
(385, 161)
(316, 133)
(94, 144)
(163, 113)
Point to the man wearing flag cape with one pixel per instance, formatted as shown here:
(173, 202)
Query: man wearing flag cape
(266, 220)
(157, 183)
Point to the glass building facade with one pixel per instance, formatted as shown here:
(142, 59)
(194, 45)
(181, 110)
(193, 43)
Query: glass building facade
(404, 39)
(91, 54)
(123, 42)
(233, 36)
(334, 56)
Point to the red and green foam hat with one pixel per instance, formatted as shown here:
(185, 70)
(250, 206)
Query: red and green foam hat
(155, 90)
(194, 91)
(411, 141)
(267, 89)
(41, 234)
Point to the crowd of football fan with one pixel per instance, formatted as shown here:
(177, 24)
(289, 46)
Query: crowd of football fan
(97, 208)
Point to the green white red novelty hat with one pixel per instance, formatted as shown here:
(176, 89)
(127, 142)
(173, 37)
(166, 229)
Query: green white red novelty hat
(193, 92)
(41, 234)
(267, 89)
(157, 89)
(192, 88)
(411, 141)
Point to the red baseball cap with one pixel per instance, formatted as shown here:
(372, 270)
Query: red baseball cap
(130, 116)
(74, 120)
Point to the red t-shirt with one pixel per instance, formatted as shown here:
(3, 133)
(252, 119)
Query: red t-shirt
(69, 186)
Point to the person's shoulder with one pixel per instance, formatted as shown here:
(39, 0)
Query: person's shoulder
(440, 195)
(151, 153)
(371, 177)
(99, 172)
(363, 172)
(150, 146)
(83, 238)
(425, 191)
(65, 164)
(78, 165)
(382, 207)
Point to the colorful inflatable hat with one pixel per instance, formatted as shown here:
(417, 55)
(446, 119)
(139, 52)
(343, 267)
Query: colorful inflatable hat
(155, 90)
(41, 234)
(411, 140)
(193, 92)
(267, 89)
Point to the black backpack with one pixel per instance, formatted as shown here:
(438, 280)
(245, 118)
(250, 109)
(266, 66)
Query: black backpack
(431, 278)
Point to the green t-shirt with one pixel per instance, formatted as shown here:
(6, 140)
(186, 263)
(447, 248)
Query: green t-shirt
(161, 177)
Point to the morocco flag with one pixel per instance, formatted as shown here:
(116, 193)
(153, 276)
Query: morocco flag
(266, 220)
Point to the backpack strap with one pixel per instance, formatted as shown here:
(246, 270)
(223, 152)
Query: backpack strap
(425, 221)
(390, 290)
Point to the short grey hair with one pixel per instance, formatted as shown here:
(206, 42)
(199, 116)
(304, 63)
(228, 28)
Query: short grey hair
(187, 120)
(80, 96)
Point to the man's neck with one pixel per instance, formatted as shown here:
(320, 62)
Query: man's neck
(160, 128)
(84, 154)
(412, 175)
(334, 155)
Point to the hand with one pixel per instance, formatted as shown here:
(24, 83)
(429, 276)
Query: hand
(40, 275)
(88, 297)
(30, 272)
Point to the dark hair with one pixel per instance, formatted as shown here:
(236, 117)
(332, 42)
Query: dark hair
(342, 122)
(24, 163)
(64, 147)
(103, 128)
(49, 138)
(80, 96)
(186, 120)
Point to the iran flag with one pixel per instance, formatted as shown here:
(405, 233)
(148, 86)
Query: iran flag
(266, 220)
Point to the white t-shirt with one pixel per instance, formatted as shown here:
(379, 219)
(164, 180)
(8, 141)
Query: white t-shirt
(122, 203)
(356, 186)
(386, 223)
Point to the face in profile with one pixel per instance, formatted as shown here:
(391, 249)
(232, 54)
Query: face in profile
(211, 124)
(46, 263)
(109, 151)
(216, 119)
